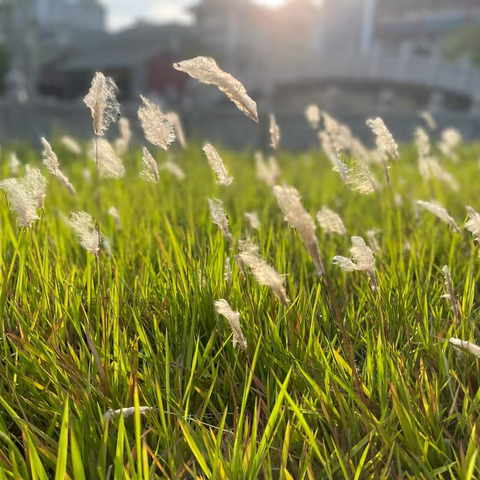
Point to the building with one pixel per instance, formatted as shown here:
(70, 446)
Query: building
(423, 23)
(37, 30)
(139, 59)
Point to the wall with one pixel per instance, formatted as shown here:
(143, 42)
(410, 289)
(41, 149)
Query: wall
(227, 126)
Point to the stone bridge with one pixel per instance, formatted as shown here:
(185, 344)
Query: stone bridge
(433, 76)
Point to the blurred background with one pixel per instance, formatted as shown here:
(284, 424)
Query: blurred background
(354, 58)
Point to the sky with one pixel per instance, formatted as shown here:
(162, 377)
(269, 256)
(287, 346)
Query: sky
(123, 13)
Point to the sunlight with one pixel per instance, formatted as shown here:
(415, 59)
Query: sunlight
(270, 3)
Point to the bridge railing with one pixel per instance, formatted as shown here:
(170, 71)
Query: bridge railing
(431, 72)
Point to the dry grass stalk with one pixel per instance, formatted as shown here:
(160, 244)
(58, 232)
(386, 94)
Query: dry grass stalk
(264, 274)
(122, 143)
(473, 224)
(109, 165)
(223, 308)
(295, 214)
(219, 217)
(267, 172)
(71, 145)
(206, 70)
(330, 222)
(127, 412)
(113, 212)
(466, 346)
(253, 220)
(217, 165)
(176, 122)
(274, 132)
(441, 213)
(14, 164)
(156, 127)
(26, 195)
(51, 161)
(149, 172)
(429, 119)
(363, 260)
(103, 103)
(450, 293)
(385, 141)
(84, 226)
(174, 169)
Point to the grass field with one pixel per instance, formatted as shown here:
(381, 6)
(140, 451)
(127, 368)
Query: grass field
(82, 334)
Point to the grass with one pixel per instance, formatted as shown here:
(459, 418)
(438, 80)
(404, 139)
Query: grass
(82, 335)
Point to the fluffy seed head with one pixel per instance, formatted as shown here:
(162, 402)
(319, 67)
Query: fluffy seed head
(385, 141)
(473, 224)
(228, 270)
(174, 169)
(127, 412)
(176, 122)
(441, 213)
(51, 161)
(290, 201)
(357, 177)
(26, 195)
(362, 255)
(253, 220)
(274, 132)
(109, 165)
(466, 346)
(103, 103)
(14, 164)
(113, 212)
(450, 293)
(429, 120)
(35, 184)
(84, 226)
(223, 308)
(313, 115)
(264, 274)
(217, 165)
(71, 144)
(149, 172)
(219, 217)
(268, 172)
(330, 222)
(206, 70)
(158, 130)
(122, 143)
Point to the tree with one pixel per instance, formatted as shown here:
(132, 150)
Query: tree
(465, 41)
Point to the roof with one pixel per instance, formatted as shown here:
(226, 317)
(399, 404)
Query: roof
(126, 49)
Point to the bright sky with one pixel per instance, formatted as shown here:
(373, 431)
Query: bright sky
(125, 12)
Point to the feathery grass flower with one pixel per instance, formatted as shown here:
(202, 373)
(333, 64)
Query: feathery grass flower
(156, 127)
(103, 103)
(84, 226)
(217, 165)
(223, 308)
(149, 172)
(206, 70)
(290, 202)
(51, 161)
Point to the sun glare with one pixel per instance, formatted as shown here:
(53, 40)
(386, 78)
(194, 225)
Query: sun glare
(270, 3)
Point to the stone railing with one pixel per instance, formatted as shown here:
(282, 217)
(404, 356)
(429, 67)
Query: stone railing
(404, 68)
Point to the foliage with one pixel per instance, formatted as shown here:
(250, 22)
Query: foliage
(464, 41)
(84, 334)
